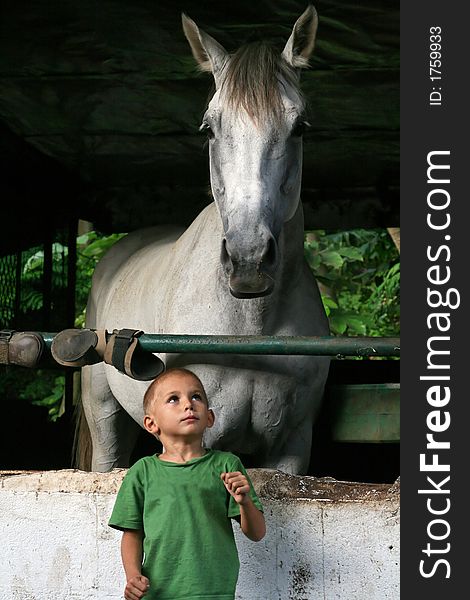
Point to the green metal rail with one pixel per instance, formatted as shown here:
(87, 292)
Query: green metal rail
(279, 345)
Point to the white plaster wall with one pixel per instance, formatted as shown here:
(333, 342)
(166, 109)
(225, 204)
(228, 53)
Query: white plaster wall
(56, 544)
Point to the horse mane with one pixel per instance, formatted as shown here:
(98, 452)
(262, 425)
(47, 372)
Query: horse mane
(252, 81)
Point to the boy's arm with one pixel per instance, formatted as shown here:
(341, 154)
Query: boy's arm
(251, 518)
(131, 552)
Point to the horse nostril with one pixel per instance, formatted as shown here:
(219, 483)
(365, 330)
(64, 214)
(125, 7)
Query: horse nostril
(270, 256)
(224, 254)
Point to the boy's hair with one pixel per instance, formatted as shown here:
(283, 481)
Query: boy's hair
(149, 395)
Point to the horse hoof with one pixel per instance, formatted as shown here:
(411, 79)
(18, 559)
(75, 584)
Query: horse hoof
(22, 348)
(78, 347)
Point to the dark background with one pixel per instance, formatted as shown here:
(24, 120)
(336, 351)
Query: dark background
(100, 104)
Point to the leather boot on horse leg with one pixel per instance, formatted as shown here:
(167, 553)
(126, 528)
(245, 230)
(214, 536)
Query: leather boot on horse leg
(120, 348)
(22, 348)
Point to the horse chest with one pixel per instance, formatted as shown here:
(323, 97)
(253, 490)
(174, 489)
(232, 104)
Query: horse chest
(252, 407)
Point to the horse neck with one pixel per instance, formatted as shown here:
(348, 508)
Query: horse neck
(292, 262)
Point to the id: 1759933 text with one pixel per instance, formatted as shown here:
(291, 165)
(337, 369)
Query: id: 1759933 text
(435, 65)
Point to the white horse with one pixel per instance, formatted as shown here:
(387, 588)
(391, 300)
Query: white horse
(238, 269)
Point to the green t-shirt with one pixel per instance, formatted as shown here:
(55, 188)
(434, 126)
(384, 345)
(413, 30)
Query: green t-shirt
(184, 511)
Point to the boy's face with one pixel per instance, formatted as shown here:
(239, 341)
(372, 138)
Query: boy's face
(179, 409)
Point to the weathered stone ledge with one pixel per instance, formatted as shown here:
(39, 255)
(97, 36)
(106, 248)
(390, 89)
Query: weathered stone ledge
(270, 484)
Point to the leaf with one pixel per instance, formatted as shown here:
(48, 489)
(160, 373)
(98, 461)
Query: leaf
(85, 238)
(48, 401)
(356, 325)
(352, 253)
(101, 245)
(330, 258)
(34, 263)
(313, 261)
(338, 324)
(328, 279)
(32, 300)
(327, 301)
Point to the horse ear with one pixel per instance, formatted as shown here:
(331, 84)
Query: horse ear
(300, 45)
(207, 51)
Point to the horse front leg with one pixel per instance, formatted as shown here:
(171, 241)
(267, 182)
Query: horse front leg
(293, 454)
(113, 432)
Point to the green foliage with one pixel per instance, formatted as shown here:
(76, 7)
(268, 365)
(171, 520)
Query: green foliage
(359, 276)
(46, 389)
(41, 387)
(32, 276)
(90, 249)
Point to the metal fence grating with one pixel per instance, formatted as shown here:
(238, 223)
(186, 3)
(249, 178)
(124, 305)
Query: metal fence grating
(8, 289)
(32, 294)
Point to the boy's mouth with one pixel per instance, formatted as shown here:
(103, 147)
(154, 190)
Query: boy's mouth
(191, 418)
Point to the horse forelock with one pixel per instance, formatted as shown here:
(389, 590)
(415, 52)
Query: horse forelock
(252, 81)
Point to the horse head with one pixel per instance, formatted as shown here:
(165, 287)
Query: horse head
(254, 123)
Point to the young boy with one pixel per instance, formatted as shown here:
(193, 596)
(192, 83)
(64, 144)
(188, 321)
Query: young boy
(174, 508)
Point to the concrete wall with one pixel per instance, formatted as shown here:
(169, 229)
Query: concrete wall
(326, 539)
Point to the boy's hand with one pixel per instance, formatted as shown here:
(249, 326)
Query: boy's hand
(136, 587)
(237, 486)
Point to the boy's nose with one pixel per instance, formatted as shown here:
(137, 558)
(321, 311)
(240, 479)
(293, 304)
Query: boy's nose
(188, 404)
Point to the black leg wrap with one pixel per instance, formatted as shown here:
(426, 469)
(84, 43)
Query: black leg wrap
(123, 351)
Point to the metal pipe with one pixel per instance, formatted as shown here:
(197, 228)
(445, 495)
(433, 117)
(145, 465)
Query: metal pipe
(252, 344)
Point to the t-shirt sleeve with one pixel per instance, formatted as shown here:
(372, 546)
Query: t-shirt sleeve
(234, 508)
(129, 504)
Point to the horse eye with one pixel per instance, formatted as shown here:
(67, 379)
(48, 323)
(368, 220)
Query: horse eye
(299, 128)
(206, 128)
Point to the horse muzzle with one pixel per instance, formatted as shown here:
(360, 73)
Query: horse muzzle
(250, 285)
(250, 269)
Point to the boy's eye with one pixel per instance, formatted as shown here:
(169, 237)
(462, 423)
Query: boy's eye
(173, 399)
(197, 397)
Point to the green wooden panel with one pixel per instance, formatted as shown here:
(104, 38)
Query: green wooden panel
(364, 412)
